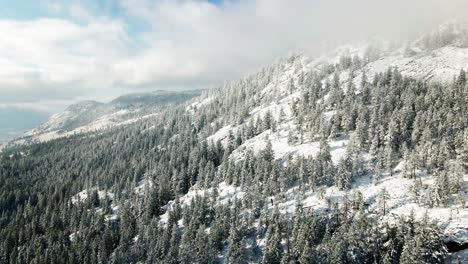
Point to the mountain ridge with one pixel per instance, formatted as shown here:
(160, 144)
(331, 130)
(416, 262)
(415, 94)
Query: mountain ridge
(356, 146)
(92, 116)
(430, 57)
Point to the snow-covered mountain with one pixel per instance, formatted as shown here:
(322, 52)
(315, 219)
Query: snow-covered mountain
(92, 116)
(304, 117)
(278, 90)
(438, 56)
(419, 60)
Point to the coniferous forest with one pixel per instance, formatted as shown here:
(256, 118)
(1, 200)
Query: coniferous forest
(120, 195)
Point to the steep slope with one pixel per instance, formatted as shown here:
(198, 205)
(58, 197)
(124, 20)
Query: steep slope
(278, 91)
(287, 107)
(306, 161)
(74, 116)
(289, 80)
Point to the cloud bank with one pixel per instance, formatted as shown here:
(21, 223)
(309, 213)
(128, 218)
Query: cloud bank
(49, 62)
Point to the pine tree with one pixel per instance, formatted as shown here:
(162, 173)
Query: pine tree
(343, 176)
(338, 251)
(461, 81)
(152, 204)
(203, 250)
(268, 153)
(409, 255)
(463, 150)
(173, 254)
(236, 253)
(308, 255)
(292, 138)
(383, 198)
(442, 188)
(273, 249)
(336, 92)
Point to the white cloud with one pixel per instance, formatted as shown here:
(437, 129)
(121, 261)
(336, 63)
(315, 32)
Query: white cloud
(211, 43)
(186, 43)
(58, 53)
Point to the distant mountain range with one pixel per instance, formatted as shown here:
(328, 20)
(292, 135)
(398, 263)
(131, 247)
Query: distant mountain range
(360, 155)
(92, 116)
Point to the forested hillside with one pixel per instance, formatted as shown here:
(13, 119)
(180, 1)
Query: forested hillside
(92, 116)
(327, 160)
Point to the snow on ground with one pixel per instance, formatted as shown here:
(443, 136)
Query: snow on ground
(222, 134)
(453, 220)
(281, 99)
(143, 185)
(334, 56)
(458, 257)
(329, 115)
(191, 108)
(274, 108)
(278, 93)
(112, 217)
(439, 65)
(136, 119)
(105, 122)
(400, 202)
(284, 150)
(226, 193)
(83, 195)
(73, 235)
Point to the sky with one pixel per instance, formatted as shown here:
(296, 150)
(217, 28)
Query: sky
(56, 52)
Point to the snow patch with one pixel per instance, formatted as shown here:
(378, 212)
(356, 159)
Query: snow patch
(283, 150)
(83, 195)
(400, 202)
(226, 193)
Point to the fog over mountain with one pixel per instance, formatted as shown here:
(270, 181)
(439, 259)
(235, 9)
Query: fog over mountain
(123, 46)
(117, 47)
(232, 131)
